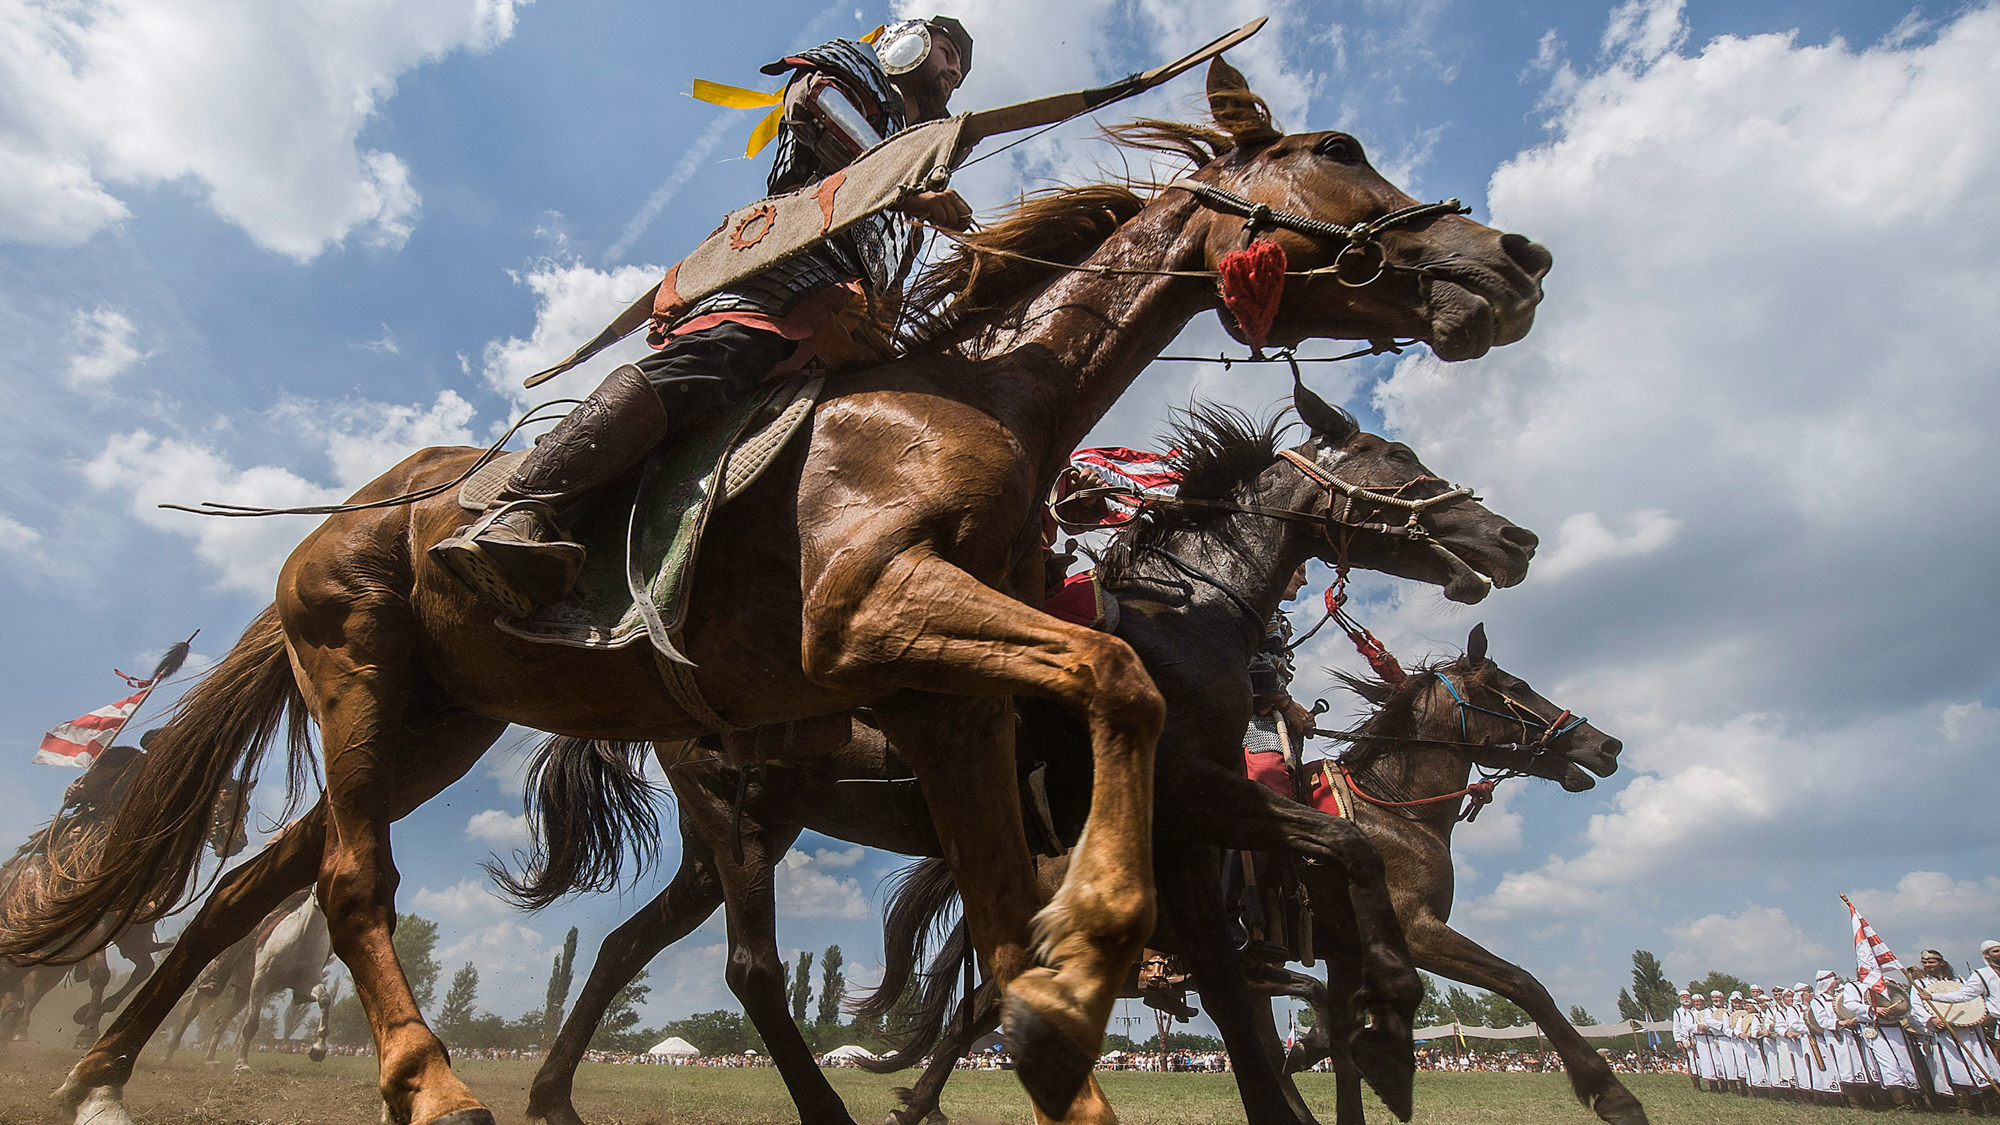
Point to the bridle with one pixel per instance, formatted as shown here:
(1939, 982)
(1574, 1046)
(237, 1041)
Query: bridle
(1360, 262)
(1537, 736)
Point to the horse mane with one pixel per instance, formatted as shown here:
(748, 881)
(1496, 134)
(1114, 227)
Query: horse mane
(1391, 705)
(1217, 448)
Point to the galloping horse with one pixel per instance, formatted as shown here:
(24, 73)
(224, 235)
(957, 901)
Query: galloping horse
(289, 952)
(734, 829)
(1418, 749)
(891, 560)
(65, 845)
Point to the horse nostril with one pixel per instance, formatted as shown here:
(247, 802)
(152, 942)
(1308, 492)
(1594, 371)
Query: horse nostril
(1611, 747)
(1530, 255)
(1520, 537)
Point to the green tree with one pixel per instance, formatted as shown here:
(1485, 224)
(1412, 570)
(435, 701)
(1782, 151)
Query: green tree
(1651, 990)
(456, 1018)
(832, 989)
(416, 938)
(560, 975)
(1717, 981)
(801, 987)
(1580, 1018)
(347, 1024)
(616, 1031)
(1628, 1008)
(720, 1032)
(1498, 1011)
(1432, 1011)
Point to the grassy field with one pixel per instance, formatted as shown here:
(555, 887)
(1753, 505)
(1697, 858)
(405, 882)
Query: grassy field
(288, 1090)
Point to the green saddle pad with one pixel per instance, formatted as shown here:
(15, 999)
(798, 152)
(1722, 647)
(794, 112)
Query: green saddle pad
(641, 540)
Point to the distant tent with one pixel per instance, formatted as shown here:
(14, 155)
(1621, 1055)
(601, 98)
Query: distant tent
(674, 1048)
(851, 1053)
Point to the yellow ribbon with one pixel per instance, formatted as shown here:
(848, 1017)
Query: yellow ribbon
(736, 97)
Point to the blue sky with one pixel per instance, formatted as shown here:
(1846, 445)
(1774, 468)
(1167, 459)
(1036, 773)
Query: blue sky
(260, 267)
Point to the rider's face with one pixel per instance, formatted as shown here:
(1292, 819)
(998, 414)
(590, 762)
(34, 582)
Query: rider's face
(930, 86)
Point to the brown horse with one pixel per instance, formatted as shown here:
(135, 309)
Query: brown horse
(736, 826)
(891, 560)
(1414, 748)
(65, 845)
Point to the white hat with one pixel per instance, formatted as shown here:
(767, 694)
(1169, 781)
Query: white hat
(1734, 996)
(1800, 987)
(1823, 974)
(1986, 945)
(1685, 992)
(1715, 992)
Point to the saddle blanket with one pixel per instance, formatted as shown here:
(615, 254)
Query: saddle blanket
(1267, 768)
(642, 539)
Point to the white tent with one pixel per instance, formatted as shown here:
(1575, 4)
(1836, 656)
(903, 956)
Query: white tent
(674, 1048)
(850, 1051)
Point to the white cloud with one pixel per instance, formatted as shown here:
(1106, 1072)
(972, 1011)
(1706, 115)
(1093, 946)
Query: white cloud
(18, 537)
(1583, 540)
(830, 859)
(1758, 941)
(572, 304)
(463, 900)
(385, 344)
(261, 107)
(690, 162)
(1761, 331)
(499, 828)
(104, 348)
(806, 891)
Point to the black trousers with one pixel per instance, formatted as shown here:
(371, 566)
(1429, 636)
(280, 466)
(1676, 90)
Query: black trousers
(697, 374)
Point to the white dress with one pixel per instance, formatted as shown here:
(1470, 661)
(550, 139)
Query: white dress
(1888, 1048)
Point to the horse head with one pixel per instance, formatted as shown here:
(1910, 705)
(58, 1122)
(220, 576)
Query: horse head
(1385, 264)
(1383, 510)
(228, 831)
(1502, 723)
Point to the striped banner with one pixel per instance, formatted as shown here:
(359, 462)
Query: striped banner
(78, 742)
(1872, 956)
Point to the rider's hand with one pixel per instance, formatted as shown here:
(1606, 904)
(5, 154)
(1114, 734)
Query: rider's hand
(1297, 719)
(944, 208)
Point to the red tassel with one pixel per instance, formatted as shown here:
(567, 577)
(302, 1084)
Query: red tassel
(1253, 281)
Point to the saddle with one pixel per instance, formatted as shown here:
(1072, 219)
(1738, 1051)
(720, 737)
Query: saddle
(643, 536)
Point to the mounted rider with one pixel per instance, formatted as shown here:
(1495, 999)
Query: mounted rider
(842, 99)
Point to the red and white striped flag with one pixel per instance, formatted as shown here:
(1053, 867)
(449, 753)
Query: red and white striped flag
(79, 741)
(1130, 468)
(1872, 956)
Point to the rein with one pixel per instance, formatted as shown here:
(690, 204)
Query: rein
(1362, 239)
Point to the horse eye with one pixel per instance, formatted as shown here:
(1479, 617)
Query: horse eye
(1345, 150)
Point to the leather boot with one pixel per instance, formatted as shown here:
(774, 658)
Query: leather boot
(514, 555)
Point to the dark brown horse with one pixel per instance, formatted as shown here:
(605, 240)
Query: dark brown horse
(1422, 742)
(890, 560)
(66, 844)
(1248, 516)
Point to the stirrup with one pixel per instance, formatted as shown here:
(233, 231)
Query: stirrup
(482, 566)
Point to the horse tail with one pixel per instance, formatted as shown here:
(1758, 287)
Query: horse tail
(588, 803)
(141, 871)
(923, 895)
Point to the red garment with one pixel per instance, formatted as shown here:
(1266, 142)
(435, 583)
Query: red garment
(1267, 767)
(1078, 601)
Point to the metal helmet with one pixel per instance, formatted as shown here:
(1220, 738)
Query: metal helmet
(904, 46)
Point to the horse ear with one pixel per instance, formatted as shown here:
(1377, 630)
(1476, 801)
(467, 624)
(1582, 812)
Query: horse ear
(1327, 422)
(1237, 111)
(1475, 644)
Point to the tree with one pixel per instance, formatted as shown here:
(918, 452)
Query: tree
(560, 975)
(801, 987)
(832, 988)
(456, 1018)
(719, 1032)
(414, 940)
(1498, 1011)
(1432, 1011)
(1580, 1018)
(1651, 990)
(1717, 981)
(1628, 1008)
(615, 1031)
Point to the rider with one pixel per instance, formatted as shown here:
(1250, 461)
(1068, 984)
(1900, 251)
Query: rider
(843, 97)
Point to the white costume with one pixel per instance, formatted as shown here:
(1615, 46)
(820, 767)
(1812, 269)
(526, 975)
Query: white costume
(1846, 1059)
(1948, 1055)
(1684, 1039)
(1744, 1023)
(1791, 1040)
(1715, 1025)
(1888, 1048)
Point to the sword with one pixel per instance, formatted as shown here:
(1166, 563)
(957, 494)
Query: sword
(920, 158)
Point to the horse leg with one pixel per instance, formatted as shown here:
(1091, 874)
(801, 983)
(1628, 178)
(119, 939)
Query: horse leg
(322, 998)
(972, 1020)
(255, 996)
(926, 625)
(354, 650)
(1340, 864)
(222, 1015)
(686, 903)
(1446, 952)
(94, 1091)
(95, 971)
(137, 946)
(36, 982)
(1190, 882)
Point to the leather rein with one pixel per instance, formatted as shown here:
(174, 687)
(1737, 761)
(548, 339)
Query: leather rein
(1364, 245)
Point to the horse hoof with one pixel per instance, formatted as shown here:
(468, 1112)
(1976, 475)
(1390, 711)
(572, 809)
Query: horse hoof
(558, 1113)
(478, 1115)
(317, 1054)
(1620, 1107)
(1388, 1063)
(101, 1105)
(242, 1068)
(1049, 1064)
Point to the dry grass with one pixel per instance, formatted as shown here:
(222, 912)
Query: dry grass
(288, 1090)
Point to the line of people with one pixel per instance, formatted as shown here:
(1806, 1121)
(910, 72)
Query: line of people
(1840, 1042)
